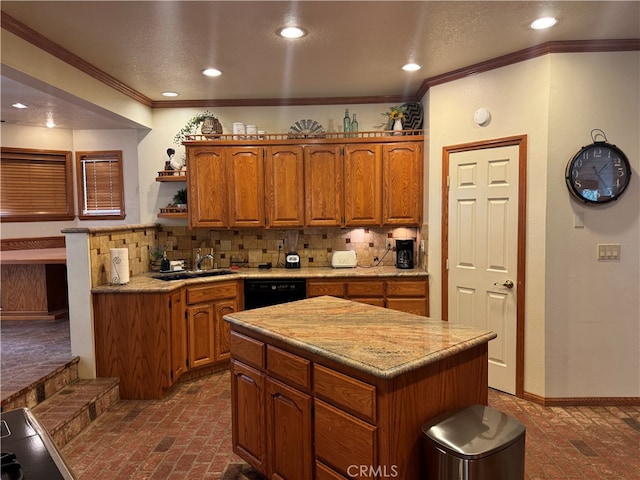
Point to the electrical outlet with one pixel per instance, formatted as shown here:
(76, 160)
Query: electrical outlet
(389, 244)
(280, 245)
(421, 246)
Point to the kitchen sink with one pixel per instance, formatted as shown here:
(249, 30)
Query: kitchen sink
(186, 274)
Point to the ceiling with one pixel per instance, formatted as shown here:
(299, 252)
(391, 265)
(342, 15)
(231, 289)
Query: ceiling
(354, 49)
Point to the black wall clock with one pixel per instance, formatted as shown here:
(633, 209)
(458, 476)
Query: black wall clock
(599, 172)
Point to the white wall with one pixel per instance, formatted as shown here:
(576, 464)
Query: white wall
(592, 307)
(581, 317)
(79, 140)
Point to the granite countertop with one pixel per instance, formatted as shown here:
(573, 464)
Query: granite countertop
(146, 283)
(381, 342)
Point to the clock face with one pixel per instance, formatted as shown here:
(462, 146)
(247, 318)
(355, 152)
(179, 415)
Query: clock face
(598, 173)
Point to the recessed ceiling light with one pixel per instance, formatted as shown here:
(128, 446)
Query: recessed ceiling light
(543, 22)
(411, 67)
(292, 32)
(19, 105)
(50, 123)
(211, 72)
(169, 94)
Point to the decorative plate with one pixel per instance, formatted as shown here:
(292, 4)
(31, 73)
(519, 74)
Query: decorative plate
(306, 128)
(412, 116)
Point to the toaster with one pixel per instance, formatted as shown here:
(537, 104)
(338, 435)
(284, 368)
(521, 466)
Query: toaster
(344, 259)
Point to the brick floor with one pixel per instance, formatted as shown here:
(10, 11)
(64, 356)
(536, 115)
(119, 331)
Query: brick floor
(188, 435)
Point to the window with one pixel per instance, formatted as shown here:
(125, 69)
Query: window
(100, 185)
(35, 185)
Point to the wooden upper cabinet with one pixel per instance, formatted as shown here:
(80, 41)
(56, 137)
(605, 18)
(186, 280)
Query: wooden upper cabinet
(323, 185)
(284, 186)
(246, 186)
(402, 190)
(332, 184)
(207, 187)
(363, 185)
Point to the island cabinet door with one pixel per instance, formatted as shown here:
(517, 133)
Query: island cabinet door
(249, 432)
(288, 432)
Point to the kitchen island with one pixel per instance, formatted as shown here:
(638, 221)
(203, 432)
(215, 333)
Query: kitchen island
(328, 388)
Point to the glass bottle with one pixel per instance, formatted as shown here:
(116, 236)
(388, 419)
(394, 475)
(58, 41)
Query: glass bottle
(354, 126)
(346, 123)
(165, 266)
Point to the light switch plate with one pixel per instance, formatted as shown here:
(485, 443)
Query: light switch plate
(608, 251)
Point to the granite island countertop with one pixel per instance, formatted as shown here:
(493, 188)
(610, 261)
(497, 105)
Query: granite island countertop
(147, 283)
(382, 342)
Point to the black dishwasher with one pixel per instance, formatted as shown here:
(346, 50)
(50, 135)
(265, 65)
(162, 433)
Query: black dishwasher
(273, 291)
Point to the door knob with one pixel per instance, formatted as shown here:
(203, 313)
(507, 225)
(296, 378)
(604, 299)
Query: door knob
(507, 284)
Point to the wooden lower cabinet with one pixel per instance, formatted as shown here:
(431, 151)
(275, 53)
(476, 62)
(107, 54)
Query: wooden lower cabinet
(208, 335)
(249, 429)
(179, 348)
(289, 440)
(149, 340)
(409, 295)
(200, 335)
(133, 341)
(347, 423)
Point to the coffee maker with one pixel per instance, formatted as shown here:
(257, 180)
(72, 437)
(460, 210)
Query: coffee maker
(404, 254)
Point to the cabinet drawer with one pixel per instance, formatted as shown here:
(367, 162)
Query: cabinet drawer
(348, 393)
(407, 288)
(366, 289)
(289, 367)
(214, 291)
(376, 302)
(317, 288)
(417, 306)
(325, 473)
(342, 440)
(247, 349)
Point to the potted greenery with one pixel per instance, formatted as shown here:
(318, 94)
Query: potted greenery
(155, 258)
(208, 123)
(180, 198)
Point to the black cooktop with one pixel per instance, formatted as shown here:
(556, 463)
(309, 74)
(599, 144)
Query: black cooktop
(27, 450)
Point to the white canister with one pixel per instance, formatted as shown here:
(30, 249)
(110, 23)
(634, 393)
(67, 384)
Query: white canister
(252, 131)
(261, 134)
(238, 130)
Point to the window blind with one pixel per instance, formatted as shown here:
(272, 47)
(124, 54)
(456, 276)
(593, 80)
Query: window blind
(100, 184)
(35, 185)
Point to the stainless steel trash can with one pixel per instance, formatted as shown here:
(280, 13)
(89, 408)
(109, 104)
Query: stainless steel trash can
(474, 443)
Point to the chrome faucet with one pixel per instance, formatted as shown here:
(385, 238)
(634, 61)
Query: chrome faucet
(200, 258)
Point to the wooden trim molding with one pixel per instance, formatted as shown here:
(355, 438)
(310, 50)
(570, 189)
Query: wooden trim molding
(20, 30)
(31, 243)
(12, 25)
(572, 46)
(582, 401)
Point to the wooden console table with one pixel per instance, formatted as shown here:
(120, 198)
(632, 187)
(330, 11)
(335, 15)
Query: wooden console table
(34, 284)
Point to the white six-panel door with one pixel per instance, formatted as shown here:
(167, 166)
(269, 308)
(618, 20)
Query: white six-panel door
(483, 251)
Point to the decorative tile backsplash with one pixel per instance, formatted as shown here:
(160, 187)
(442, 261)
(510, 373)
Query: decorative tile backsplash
(253, 247)
(247, 248)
